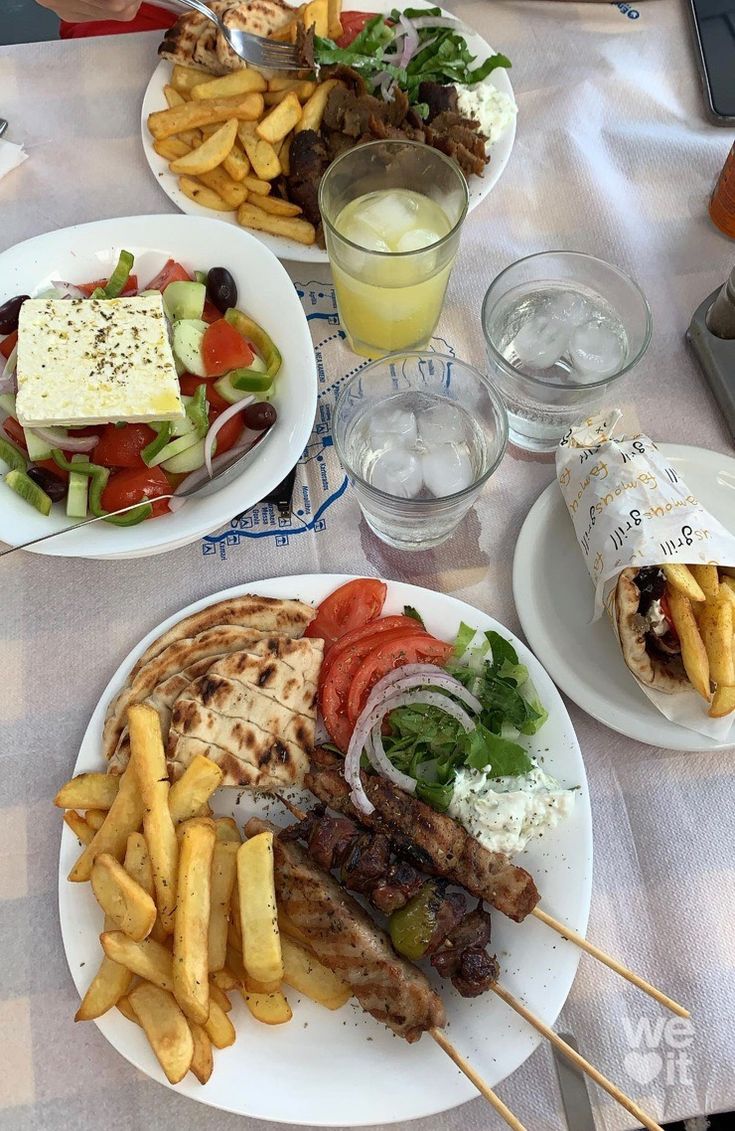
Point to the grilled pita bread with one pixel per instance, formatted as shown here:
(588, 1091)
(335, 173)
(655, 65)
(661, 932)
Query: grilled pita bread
(259, 17)
(194, 41)
(257, 722)
(665, 675)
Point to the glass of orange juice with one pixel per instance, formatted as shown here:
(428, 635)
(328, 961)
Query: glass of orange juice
(392, 212)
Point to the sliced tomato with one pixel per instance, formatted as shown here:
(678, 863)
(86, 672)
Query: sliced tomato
(353, 604)
(171, 272)
(121, 447)
(224, 349)
(352, 25)
(132, 486)
(229, 433)
(14, 430)
(666, 610)
(210, 313)
(131, 287)
(7, 345)
(373, 630)
(385, 657)
(189, 384)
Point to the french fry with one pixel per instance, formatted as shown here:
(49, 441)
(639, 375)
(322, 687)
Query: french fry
(281, 119)
(123, 1004)
(225, 829)
(95, 818)
(287, 926)
(166, 1028)
(313, 111)
(88, 791)
(723, 702)
(234, 964)
(707, 579)
(290, 227)
(224, 869)
(148, 761)
(270, 1009)
(680, 577)
(225, 979)
(202, 195)
(166, 123)
(274, 97)
(111, 982)
(288, 32)
(209, 154)
(123, 817)
(316, 13)
(236, 164)
(278, 83)
(284, 154)
(256, 987)
(220, 997)
(307, 975)
(76, 822)
(278, 207)
(148, 959)
(123, 901)
(191, 975)
(202, 1061)
(174, 97)
(246, 130)
(693, 652)
(238, 82)
(261, 944)
(334, 9)
(171, 148)
(184, 79)
(259, 188)
(137, 863)
(727, 589)
(218, 1027)
(716, 628)
(220, 182)
(195, 786)
(263, 158)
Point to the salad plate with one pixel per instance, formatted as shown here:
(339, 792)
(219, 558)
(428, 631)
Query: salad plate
(554, 596)
(265, 292)
(479, 187)
(323, 1067)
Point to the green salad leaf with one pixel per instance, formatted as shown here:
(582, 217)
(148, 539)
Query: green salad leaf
(414, 614)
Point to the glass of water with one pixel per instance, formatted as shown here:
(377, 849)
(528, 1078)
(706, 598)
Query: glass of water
(561, 328)
(419, 434)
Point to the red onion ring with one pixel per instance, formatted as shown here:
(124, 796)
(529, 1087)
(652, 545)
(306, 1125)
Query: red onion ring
(410, 41)
(422, 675)
(219, 423)
(70, 444)
(67, 290)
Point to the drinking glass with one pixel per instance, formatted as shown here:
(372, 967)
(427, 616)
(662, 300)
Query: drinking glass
(562, 329)
(390, 300)
(419, 435)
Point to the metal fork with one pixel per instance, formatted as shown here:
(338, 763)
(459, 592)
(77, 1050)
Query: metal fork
(254, 49)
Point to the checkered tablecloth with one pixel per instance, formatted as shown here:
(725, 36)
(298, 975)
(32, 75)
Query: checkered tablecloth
(614, 157)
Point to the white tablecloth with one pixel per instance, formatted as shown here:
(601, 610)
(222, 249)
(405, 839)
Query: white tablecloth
(613, 157)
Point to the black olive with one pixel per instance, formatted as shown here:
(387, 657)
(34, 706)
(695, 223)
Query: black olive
(221, 288)
(10, 312)
(259, 416)
(54, 487)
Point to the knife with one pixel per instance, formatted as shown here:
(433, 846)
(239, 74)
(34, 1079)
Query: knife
(573, 1087)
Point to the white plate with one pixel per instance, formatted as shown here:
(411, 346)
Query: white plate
(90, 251)
(553, 594)
(288, 249)
(345, 1069)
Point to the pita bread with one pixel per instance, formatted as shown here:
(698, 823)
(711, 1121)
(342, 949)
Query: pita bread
(665, 675)
(249, 724)
(259, 17)
(270, 616)
(194, 41)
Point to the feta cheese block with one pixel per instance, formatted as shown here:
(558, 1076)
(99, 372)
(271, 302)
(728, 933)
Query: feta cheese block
(95, 361)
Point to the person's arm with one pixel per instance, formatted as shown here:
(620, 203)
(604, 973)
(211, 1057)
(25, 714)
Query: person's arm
(87, 11)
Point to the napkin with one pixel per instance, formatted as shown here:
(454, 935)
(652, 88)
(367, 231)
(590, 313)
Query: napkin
(11, 156)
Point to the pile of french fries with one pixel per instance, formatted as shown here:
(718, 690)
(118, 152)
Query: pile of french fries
(189, 908)
(702, 604)
(228, 138)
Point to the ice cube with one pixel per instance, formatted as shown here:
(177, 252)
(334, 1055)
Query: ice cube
(596, 351)
(417, 239)
(390, 215)
(364, 235)
(397, 472)
(569, 307)
(442, 424)
(541, 340)
(446, 470)
(390, 426)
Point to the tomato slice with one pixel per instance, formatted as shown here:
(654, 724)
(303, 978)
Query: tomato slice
(171, 272)
(132, 486)
(131, 287)
(7, 345)
(210, 313)
(350, 606)
(189, 384)
(14, 430)
(224, 349)
(121, 447)
(389, 654)
(372, 630)
(352, 25)
(229, 433)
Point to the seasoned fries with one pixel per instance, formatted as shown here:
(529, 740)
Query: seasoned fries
(110, 983)
(716, 628)
(200, 194)
(238, 82)
(148, 761)
(313, 112)
(191, 974)
(281, 119)
(693, 652)
(307, 975)
(184, 79)
(82, 831)
(224, 870)
(218, 1027)
(707, 579)
(210, 153)
(680, 577)
(124, 901)
(270, 1009)
(166, 123)
(278, 207)
(250, 216)
(263, 158)
(166, 1029)
(195, 787)
(202, 1061)
(149, 959)
(88, 791)
(124, 817)
(261, 941)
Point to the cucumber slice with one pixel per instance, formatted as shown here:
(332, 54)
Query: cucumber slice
(182, 300)
(12, 456)
(19, 482)
(7, 403)
(226, 389)
(175, 448)
(40, 449)
(186, 461)
(187, 345)
(76, 496)
(185, 426)
(201, 277)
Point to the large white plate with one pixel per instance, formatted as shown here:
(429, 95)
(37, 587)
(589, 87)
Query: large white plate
(345, 1069)
(553, 594)
(90, 251)
(288, 249)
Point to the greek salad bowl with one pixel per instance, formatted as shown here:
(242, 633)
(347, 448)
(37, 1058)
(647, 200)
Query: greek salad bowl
(107, 403)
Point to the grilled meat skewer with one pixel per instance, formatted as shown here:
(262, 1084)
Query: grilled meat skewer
(344, 938)
(433, 841)
(425, 920)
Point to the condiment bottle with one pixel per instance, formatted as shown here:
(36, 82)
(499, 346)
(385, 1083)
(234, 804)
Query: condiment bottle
(722, 201)
(721, 315)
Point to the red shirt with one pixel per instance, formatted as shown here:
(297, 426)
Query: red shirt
(149, 18)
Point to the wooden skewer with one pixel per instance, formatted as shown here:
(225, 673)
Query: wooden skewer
(609, 961)
(464, 1066)
(576, 1059)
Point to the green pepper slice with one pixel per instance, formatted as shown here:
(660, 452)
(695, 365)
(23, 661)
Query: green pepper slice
(264, 344)
(198, 411)
(251, 380)
(158, 443)
(412, 926)
(118, 279)
(98, 477)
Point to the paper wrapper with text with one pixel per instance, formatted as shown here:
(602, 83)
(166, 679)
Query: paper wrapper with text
(630, 507)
